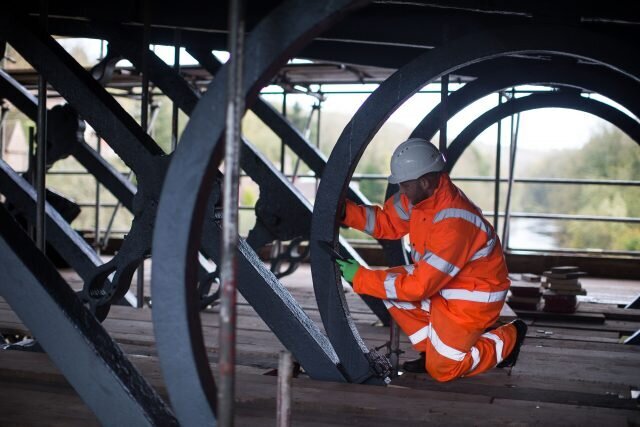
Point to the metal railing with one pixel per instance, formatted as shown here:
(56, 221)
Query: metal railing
(479, 179)
(527, 215)
(497, 181)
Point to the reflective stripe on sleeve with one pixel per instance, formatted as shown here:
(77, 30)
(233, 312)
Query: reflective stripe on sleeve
(402, 305)
(443, 349)
(415, 255)
(410, 268)
(475, 296)
(485, 251)
(405, 305)
(421, 335)
(463, 214)
(390, 286)
(397, 203)
(440, 264)
(371, 220)
(499, 345)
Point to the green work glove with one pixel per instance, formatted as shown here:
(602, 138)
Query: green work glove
(348, 268)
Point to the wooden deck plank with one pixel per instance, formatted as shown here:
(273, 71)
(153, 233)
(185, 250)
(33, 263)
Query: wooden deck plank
(341, 404)
(569, 373)
(619, 326)
(38, 405)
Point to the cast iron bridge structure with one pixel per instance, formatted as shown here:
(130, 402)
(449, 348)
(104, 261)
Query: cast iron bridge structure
(571, 47)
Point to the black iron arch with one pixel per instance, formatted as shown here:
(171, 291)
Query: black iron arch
(554, 99)
(534, 40)
(184, 199)
(601, 80)
(497, 74)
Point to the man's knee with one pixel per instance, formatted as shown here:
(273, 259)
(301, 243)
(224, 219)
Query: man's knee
(443, 370)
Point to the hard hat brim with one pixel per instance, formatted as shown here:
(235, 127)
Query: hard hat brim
(393, 180)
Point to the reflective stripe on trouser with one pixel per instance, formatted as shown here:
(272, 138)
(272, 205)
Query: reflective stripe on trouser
(411, 321)
(445, 361)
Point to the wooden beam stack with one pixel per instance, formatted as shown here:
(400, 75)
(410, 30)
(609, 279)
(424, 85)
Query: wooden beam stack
(525, 293)
(562, 286)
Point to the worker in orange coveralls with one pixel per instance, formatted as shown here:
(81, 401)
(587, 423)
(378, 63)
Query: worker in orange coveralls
(457, 284)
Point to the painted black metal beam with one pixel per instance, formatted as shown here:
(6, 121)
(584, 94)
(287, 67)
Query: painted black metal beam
(634, 304)
(392, 24)
(361, 54)
(280, 201)
(150, 169)
(113, 180)
(108, 176)
(69, 244)
(394, 91)
(118, 128)
(282, 127)
(331, 48)
(390, 56)
(279, 310)
(195, 162)
(80, 89)
(572, 100)
(282, 210)
(72, 337)
(316, 161)
(633, 339)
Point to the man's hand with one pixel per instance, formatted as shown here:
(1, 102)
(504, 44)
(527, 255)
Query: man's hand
(348, 268)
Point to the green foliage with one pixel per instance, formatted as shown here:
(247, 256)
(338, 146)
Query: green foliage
(609, 154)
(477, 160)
(374, 190)
(82, 189)
(263, 138)
(248, 196)
(161, 131)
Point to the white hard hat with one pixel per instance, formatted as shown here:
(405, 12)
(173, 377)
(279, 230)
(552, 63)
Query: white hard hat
(414, 158)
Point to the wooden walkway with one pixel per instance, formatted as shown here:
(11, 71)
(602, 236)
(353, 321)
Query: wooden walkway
(572, 371)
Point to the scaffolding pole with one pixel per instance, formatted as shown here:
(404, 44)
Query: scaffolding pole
(515, 126)
(229, 270)
(41, 153)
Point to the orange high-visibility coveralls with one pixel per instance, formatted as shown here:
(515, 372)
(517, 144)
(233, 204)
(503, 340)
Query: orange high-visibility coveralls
(456, 286)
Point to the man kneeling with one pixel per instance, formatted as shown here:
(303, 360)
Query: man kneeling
(457, 284)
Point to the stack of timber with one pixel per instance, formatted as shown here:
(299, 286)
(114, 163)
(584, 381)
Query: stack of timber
(562, 288)
(525, 292)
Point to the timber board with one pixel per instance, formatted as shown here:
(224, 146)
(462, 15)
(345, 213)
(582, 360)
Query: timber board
(31, 377)
(569, 373)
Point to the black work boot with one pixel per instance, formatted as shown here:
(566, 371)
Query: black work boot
(521, 332)
(417, 366)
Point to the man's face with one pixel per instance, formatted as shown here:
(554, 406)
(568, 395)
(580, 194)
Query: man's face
(416, 190)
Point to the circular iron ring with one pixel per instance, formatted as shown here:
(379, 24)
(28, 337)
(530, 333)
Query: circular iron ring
(423, 70)
(571, 101)
(181, 212)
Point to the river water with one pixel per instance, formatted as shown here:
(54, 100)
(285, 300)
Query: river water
(532, 234)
